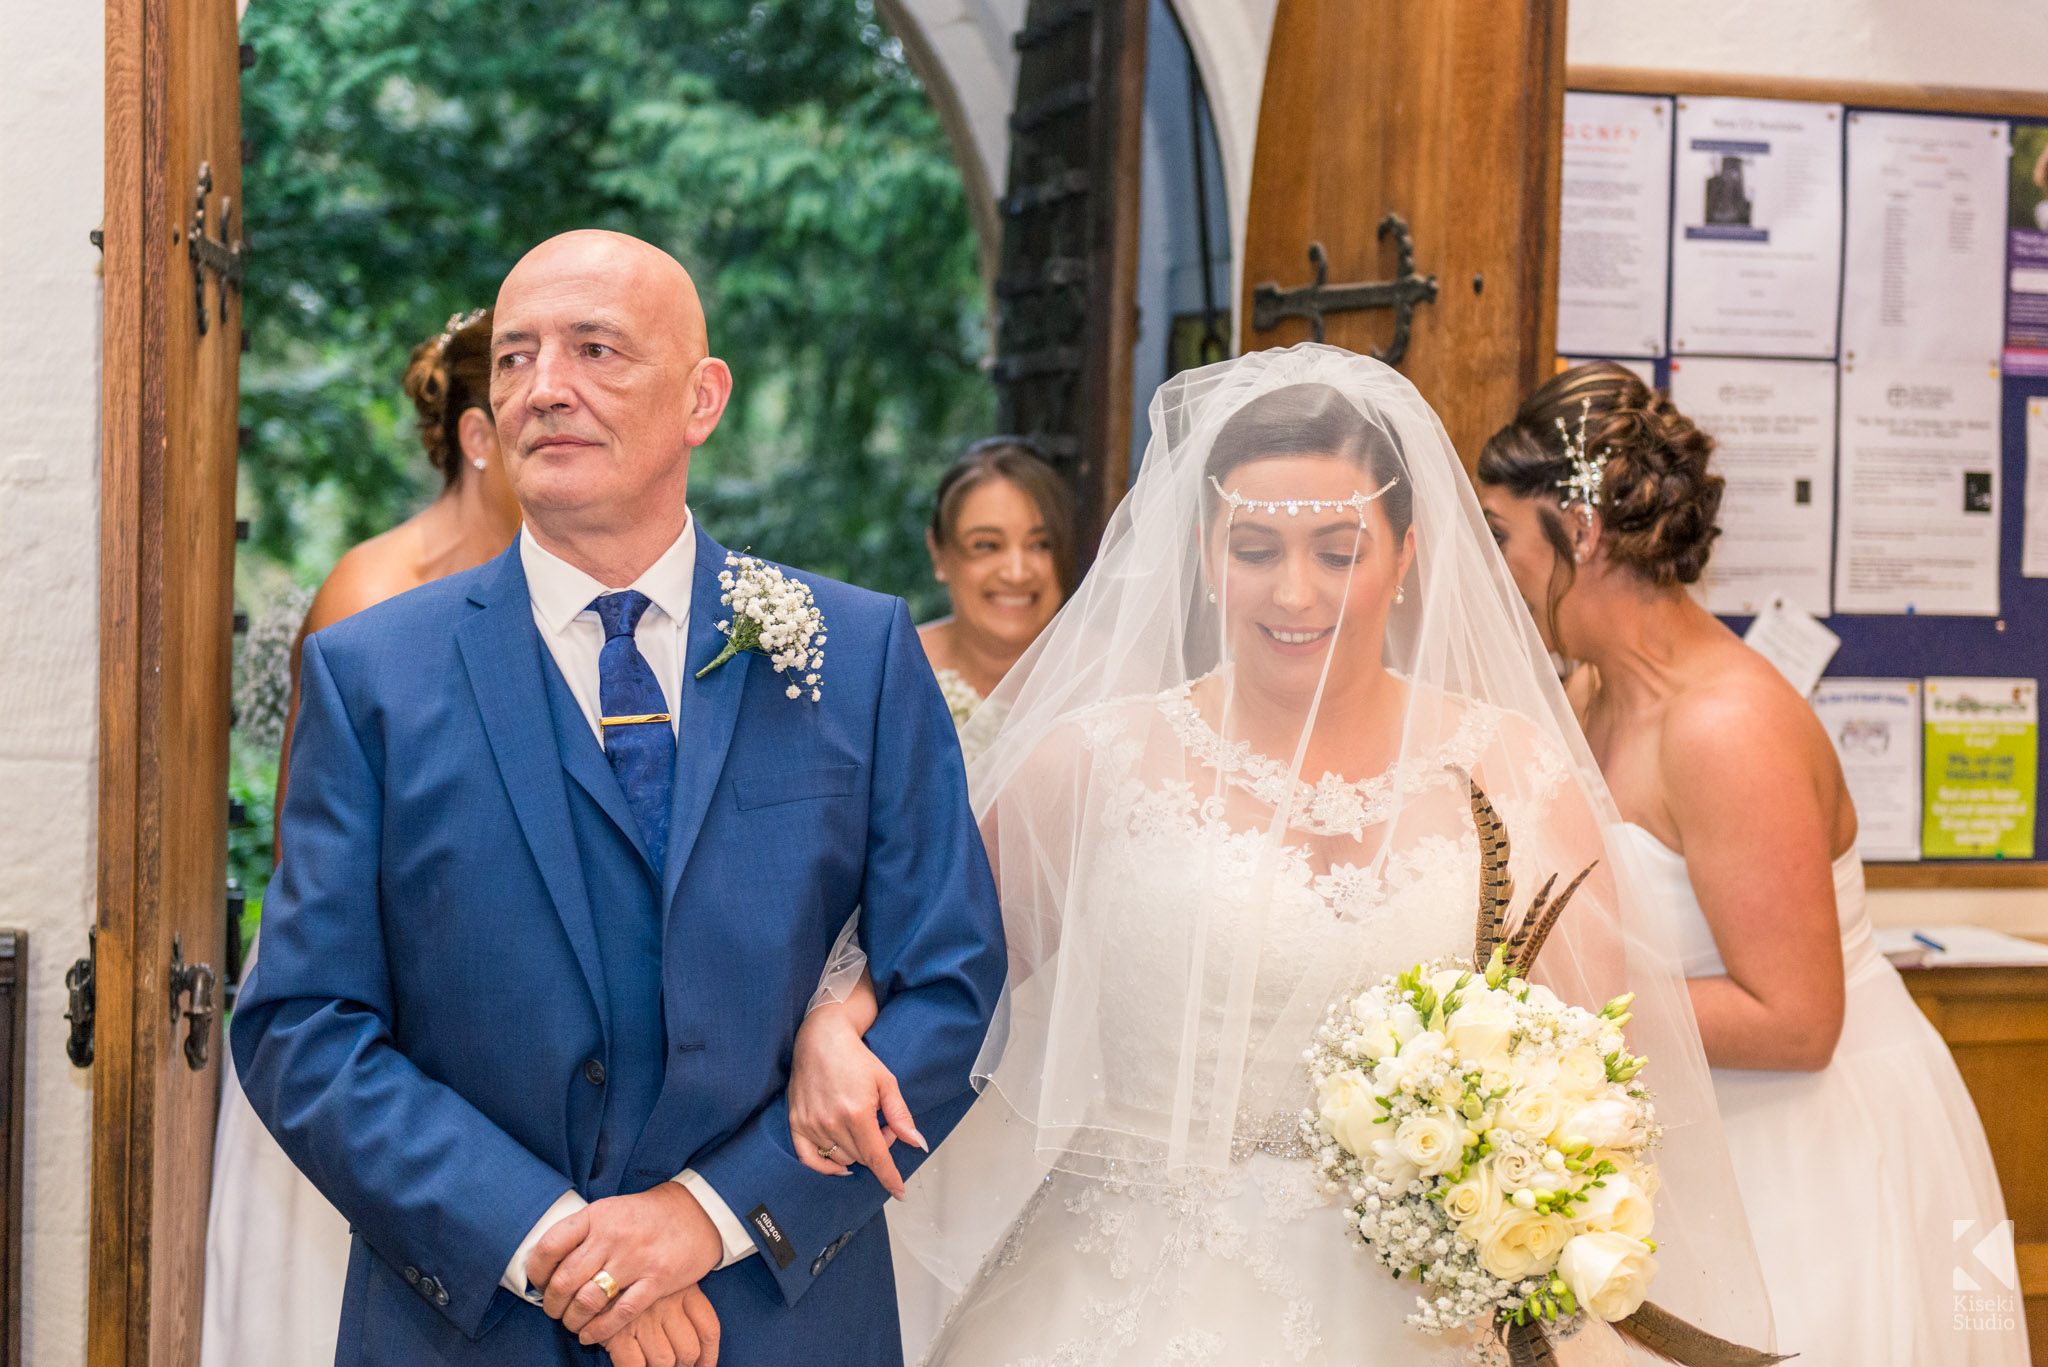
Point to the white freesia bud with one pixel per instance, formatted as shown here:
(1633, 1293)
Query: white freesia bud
(1526, 1199)
(1349, 1109)
(1609, 1274)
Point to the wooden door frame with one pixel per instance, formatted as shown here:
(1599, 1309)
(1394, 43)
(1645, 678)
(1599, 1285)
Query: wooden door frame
(166, 596)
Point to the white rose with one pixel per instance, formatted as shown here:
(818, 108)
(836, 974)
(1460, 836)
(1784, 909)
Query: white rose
(1543, 999)
(1522, 1243)
(1422, 1045)
(1479, 1031)
(1474, 1201)
(1534, 1110)
(1609, 1274)
(1517, 1167)
(1431, 1142)
(1581, 1074)
(1617, 1206)
(1445, 981)
(1607, 1124)
(1389, 1166)
(1349, 1109)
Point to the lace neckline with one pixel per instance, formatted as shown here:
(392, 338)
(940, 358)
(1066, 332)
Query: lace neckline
(1332, 805)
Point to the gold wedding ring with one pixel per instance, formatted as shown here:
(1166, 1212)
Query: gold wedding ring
(605, 1282)
(828, 1151)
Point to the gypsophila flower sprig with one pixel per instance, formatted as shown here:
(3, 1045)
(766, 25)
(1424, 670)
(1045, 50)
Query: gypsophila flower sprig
(1488, 1141)
(774, 615)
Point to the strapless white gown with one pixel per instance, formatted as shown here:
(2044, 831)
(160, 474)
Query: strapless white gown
(1868, 1183)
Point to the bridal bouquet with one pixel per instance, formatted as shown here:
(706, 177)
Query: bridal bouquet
(1490, 1141)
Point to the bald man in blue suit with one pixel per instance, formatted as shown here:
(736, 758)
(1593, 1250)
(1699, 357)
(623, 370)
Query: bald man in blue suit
(552, 906)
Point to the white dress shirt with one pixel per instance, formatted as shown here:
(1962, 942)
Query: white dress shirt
(561, 596)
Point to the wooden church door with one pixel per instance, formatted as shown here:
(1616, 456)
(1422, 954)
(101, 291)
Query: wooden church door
(1439, 123)
(172, 338)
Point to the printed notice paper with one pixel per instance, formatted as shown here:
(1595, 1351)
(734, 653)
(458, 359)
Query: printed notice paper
(1925, 262)
(2034, 554)
(1918, 530)
(1875, 725)
(1615, 224)
(1756, 254)
(1982, 752)
(1797, 645)
(1773, 424)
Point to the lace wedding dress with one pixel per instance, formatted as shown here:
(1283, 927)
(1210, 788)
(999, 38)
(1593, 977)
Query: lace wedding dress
(1247, 1266)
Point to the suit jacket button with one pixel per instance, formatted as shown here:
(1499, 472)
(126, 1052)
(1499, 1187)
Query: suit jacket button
(819, 1266)
(412, 1276)
(593, 1072)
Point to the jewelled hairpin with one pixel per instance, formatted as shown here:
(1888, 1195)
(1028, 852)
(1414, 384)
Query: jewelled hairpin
(1293, 507)
(1582, 486)
(456, 323)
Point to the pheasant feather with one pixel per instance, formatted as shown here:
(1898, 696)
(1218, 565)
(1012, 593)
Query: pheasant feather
(1495, 884)
(1528, 921)
(1528, 1345)
(1521, 965)
(1672, 1339)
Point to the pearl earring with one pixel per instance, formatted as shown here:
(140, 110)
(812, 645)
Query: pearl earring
(1400, 596)
(1212, 595)
(478, 462)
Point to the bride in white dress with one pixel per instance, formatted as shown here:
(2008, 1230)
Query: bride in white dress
(1858, 1149)
(1298, 585)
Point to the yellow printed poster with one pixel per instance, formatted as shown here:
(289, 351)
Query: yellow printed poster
(1982, 766)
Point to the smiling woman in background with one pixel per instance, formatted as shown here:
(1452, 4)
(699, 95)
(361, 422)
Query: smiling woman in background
(1002, 542)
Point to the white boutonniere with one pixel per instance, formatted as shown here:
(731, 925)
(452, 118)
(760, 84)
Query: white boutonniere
(775, 615)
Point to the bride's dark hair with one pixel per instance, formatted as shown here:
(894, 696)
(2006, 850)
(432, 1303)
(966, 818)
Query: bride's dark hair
(1313, 420)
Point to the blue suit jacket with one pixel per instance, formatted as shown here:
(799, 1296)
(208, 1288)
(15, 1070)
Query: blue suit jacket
(427, 1030)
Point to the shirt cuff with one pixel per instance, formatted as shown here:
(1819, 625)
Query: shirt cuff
(731, 1233)
(514, 1280)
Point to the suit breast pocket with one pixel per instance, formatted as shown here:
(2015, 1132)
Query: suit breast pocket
(796, 785)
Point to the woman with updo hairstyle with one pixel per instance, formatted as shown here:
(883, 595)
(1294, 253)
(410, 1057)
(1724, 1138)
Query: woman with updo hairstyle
(277, 1250)
(1854, 1140)
(1002, 542)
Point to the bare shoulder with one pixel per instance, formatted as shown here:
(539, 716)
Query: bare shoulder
(368, 574)
(1737, 713)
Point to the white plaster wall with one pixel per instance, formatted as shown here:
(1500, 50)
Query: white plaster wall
(51, 112)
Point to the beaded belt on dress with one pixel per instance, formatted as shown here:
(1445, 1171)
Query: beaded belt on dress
(1277, 1134)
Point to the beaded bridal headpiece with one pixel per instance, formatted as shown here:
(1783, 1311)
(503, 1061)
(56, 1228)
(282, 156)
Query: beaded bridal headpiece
(456, 323)
(1293, 506)
(1582, 485)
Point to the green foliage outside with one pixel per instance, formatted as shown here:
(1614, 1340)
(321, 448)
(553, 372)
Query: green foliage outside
(408, 151)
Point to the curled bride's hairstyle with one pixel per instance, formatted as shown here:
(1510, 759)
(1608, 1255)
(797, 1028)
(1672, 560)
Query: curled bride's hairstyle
(1313, 420)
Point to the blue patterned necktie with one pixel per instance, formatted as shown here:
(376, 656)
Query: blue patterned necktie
(638, 739)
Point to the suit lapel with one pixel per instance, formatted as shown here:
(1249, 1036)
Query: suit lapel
(709, 710)
(501, 649)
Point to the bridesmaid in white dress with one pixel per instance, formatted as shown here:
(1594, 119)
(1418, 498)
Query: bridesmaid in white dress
(1856, 1145)
(276, 1249)
(1002, 542)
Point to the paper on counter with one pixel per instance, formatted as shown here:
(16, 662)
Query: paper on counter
(1756, 239)
(1615, 224)
(1793, 641)
(1961, 947)
(1920, 460)
(1924, 267)
(1773, 424)
(1875, 726)
(2034, 554)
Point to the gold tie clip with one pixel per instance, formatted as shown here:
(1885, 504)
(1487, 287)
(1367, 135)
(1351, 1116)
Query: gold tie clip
(640, 720)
